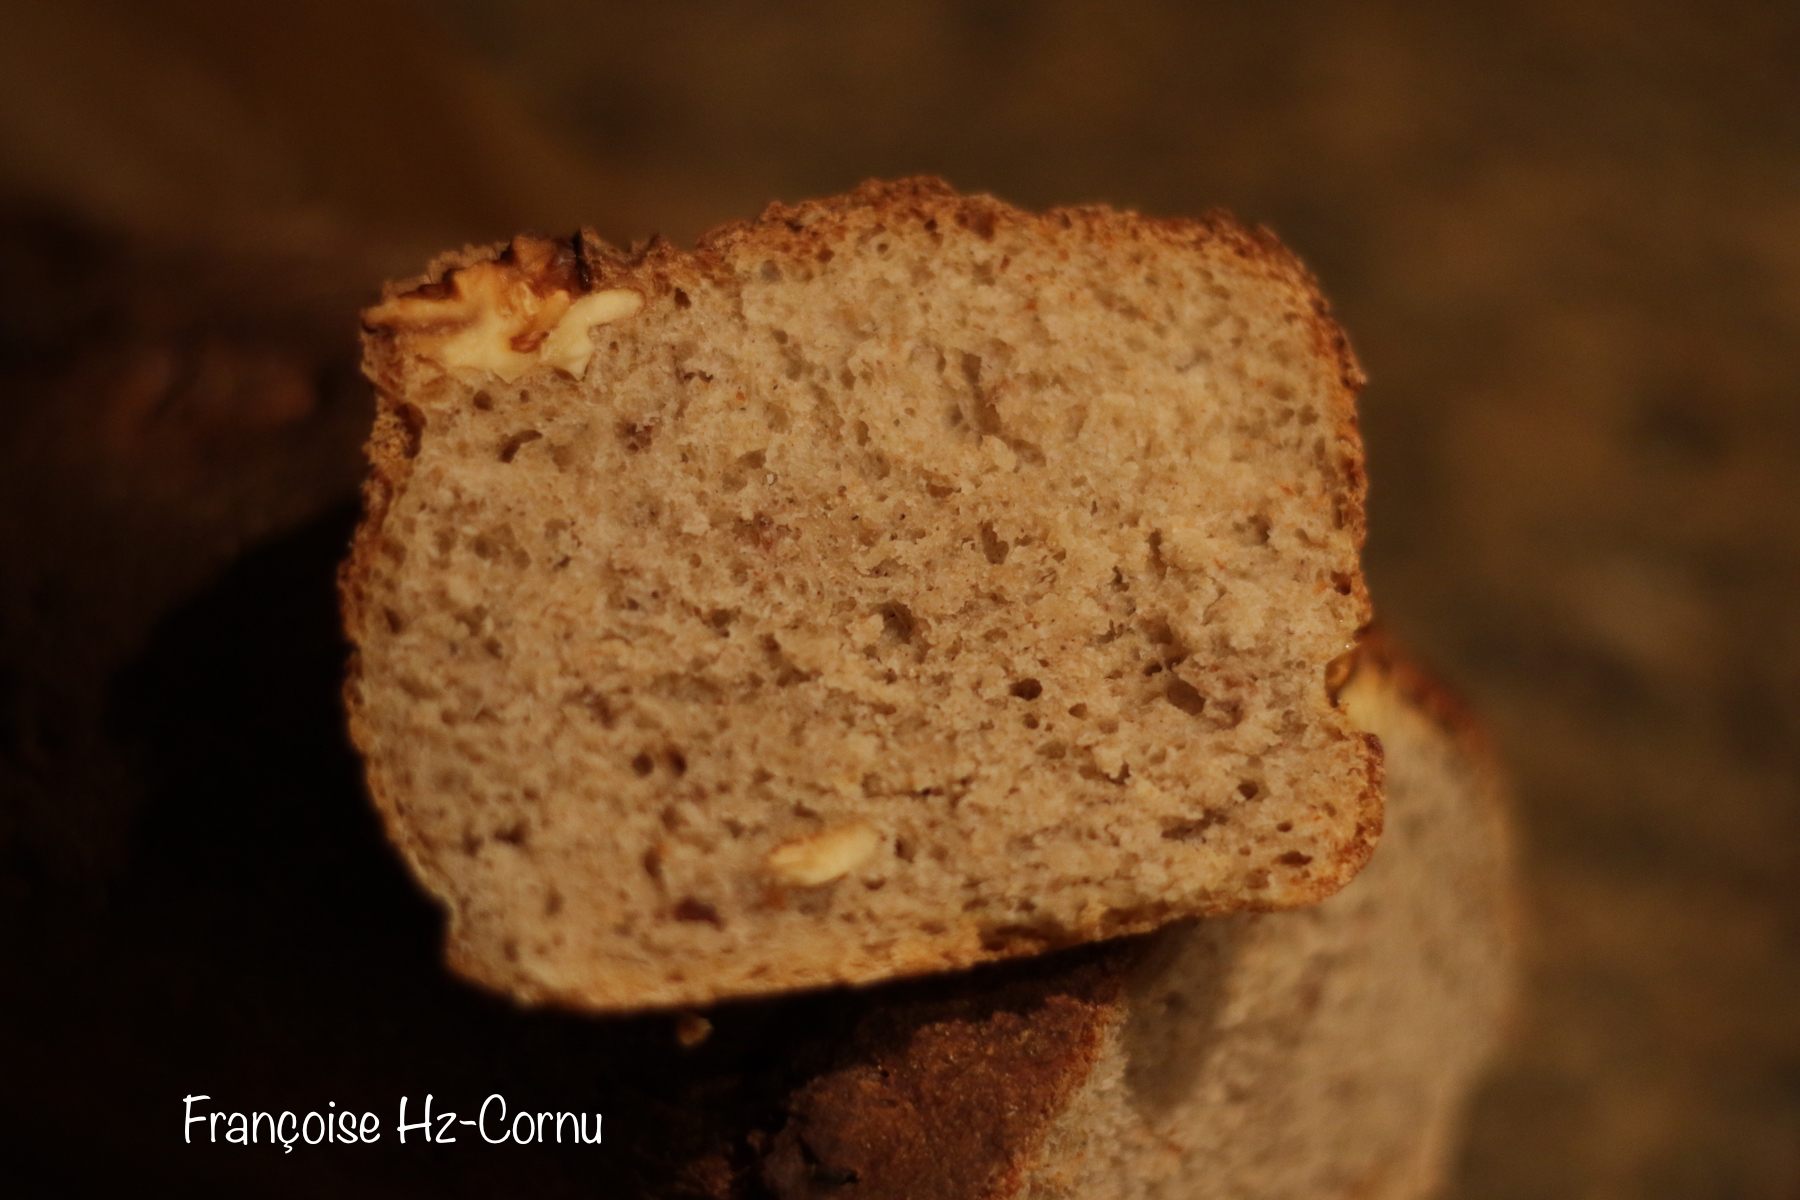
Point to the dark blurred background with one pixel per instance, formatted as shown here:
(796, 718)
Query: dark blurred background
(1564, 236)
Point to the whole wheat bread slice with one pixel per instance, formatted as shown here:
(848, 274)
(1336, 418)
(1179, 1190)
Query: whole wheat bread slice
(894, 582)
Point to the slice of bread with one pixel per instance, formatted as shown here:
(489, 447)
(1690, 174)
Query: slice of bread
(892, 583)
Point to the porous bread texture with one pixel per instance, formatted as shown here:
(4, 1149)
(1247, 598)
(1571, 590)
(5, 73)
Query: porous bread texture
(1328, 1052)
(895, 582)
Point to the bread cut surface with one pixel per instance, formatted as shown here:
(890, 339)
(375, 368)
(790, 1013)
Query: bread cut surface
(891, 583)
(1322, 1053)
(1328, 1052)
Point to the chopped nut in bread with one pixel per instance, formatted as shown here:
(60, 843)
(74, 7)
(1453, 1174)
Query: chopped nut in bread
(823, 857)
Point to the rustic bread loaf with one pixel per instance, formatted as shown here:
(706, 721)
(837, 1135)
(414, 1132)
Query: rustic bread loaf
(895, 582)
(1306, 1055)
